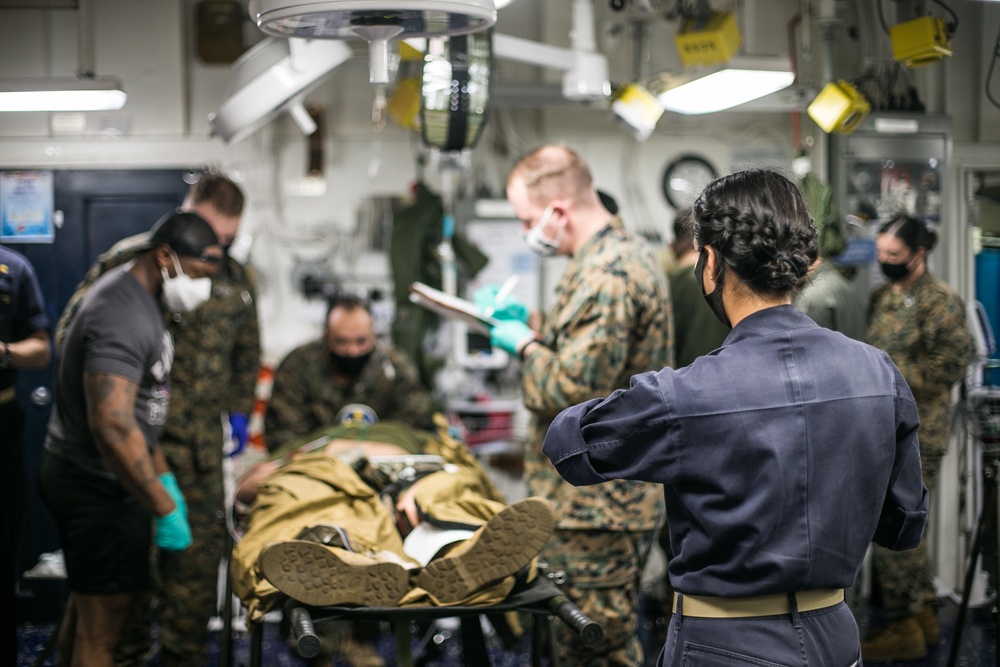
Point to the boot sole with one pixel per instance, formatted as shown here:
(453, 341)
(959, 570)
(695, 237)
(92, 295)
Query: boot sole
(316, 576)
(505, 544)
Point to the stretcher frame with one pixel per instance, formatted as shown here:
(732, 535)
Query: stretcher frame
(541, 598)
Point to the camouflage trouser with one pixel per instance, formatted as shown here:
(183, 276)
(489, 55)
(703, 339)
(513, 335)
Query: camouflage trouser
(317, 489)
(602, 570)
(186, 581)
(904, 577)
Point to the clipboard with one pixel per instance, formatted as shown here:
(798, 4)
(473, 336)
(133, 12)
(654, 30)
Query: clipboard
(453, 307)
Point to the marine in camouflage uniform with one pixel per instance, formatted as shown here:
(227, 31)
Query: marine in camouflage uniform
(611, 319)
(305, 397)
(216, 360)
(923, 329)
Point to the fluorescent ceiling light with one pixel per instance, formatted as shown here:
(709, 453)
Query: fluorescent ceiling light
(102, 93)
(739, 82)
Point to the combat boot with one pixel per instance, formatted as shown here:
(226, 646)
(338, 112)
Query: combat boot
(501, 547)
(902, 639)
(929, 624)
(318, 575)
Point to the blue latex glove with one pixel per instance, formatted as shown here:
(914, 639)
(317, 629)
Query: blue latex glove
(238, 423)
(172, 531)
(170, 484)
(508, 308)
(510, 335)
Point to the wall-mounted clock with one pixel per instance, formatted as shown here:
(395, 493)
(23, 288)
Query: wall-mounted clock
(685, 178)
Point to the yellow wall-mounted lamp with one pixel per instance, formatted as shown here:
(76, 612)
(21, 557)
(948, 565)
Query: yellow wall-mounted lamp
(839, 108)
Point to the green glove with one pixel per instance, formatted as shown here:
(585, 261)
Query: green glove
(172, 531)
(508, 308)
(510, 335)
(170, 484)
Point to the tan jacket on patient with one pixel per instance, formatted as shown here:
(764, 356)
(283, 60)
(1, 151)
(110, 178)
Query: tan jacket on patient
(319, 489)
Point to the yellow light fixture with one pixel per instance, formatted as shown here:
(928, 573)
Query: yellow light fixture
(743, 79)
(637, 109)
(839, 108)
(713, 43)
(920, 41)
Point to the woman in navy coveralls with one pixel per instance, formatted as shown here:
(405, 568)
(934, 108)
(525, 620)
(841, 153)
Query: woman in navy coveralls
(783, 454)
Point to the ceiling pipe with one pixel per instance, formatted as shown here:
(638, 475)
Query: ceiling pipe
(827, 24)
(85, 39)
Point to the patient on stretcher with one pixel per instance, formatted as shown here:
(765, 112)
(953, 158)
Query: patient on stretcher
(382, 515)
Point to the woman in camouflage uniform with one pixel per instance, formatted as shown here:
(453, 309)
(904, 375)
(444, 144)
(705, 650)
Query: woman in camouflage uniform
(920, 322)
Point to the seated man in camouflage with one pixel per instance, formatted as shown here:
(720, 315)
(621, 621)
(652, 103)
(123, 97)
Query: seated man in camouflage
(327, 526)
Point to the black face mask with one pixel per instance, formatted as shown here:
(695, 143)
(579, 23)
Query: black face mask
(714, 300)
(350, 365)
(895, 272)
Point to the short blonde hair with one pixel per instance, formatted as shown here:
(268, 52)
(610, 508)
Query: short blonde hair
(552, 171)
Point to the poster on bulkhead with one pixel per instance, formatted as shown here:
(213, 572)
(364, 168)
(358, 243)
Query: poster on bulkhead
(26, 207)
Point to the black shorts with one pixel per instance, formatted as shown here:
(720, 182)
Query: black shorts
(104, 531)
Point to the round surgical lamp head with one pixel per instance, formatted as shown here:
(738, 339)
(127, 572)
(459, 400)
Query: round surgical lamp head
(274, 77)
(376, 21)
(455, 90)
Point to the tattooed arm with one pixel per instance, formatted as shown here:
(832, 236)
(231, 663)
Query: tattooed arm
(111, 416)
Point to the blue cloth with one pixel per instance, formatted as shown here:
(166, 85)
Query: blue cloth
(238, 423)
(783, 454)
(819, 638)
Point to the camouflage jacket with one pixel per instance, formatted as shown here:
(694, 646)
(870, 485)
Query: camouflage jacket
(304, 396)
(216, 356)
(923, 330)
(611, 319)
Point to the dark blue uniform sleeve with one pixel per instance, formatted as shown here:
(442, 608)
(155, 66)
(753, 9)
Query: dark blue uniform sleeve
(904, 514)
(31, 307)
(618, 437)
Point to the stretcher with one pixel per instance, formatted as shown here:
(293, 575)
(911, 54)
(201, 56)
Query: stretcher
(542, 599)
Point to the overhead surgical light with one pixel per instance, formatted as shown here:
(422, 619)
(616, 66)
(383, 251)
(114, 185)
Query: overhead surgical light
(455, 90)
(272, 77)
(741, 80)
(585, 70)
(376, 21)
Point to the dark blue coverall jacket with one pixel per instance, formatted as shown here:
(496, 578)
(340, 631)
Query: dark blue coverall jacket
(783, 454)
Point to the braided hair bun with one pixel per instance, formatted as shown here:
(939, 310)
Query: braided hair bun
(760, 224)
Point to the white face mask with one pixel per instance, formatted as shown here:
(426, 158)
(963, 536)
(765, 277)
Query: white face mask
(182, 293)
(536, 240)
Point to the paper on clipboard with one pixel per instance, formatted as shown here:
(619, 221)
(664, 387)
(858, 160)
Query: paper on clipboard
(451, 306)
